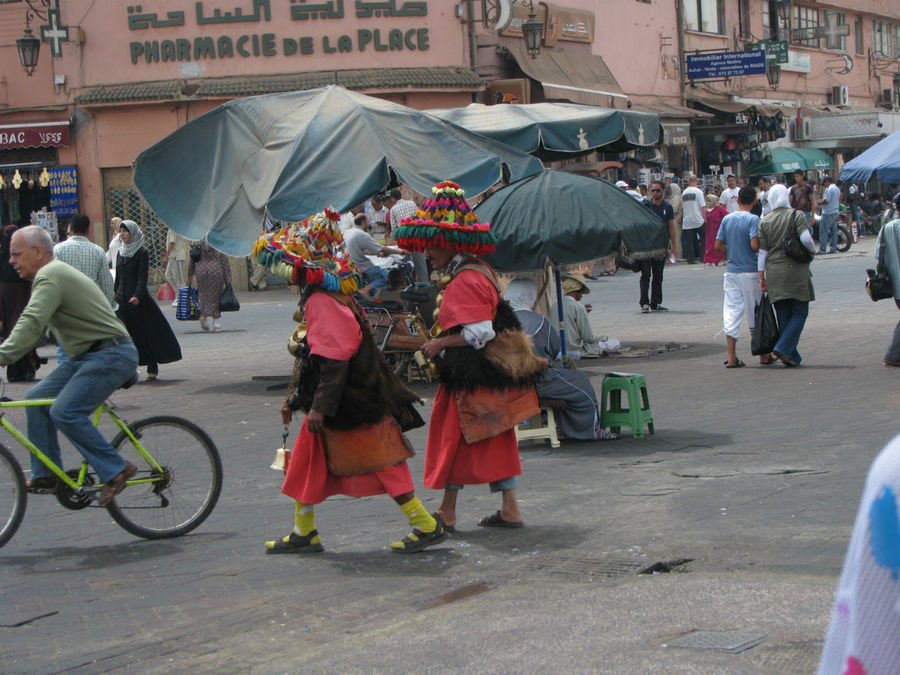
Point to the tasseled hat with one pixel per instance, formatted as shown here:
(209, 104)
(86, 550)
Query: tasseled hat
(314, 247)
(446, 221)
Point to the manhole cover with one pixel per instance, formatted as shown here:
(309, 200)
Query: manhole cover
(734, 643)
(581, 567)
(791, 659)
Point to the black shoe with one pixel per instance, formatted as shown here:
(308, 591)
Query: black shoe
(295, 543)
(418, 540)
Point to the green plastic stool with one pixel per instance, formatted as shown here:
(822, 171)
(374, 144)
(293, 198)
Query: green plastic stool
(613, 416)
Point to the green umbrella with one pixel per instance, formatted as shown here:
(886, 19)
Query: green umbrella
(293, 154)
(562, 219)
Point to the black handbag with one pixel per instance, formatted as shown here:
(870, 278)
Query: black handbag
(793, 247)
(196, 252)
(878, 283)
(765, 330)
(228, 301)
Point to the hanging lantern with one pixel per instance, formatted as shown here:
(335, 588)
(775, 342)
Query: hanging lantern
(17, 180)
(44, 178)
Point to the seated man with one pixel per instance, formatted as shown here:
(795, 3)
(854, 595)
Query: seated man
(580, 340)
(580, 418)
(360, 244)
(101, 357)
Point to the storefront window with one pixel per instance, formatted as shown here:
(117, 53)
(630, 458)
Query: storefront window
(704, 15)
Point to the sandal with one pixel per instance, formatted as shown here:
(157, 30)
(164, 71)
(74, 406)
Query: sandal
(42, 485)
(450, 528)
(295, 543)
(739, 364)
(117, 484)
(769, 362)
(418, 540)
(496, 520)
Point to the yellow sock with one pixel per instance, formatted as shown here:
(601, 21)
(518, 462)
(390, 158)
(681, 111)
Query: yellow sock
(305, 520)
(418, 515)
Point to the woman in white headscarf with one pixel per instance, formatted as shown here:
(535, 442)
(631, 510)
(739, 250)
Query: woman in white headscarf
(580, 418)
(787, 281)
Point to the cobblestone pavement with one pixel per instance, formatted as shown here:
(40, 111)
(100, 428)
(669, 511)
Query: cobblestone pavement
(754, 474)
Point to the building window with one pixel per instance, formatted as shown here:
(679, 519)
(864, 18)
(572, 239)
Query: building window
(832, 19)
(705, 16)
(769, 30)
(885, 39)
(805, 18)
(858, 34)
(744, 19)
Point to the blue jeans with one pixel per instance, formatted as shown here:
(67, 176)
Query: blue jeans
(376, 277)
(79, 386)
(828, 232)
(497, 486)
(854, 211)
(791, 319)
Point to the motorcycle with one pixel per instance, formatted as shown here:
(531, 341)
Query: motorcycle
(844, 240)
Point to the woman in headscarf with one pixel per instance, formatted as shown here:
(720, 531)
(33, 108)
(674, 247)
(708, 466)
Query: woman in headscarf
(213, 272)
(349, 394)
(787, 281)
(580, 418)
(151, 333)
(486, 367)
(714, 214)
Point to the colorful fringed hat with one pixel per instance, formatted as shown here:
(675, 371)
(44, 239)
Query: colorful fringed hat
(446, 221)
(314, 247)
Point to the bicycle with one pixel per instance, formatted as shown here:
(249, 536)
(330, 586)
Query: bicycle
(177, 485)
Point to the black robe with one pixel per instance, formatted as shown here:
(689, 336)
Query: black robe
(152, 334)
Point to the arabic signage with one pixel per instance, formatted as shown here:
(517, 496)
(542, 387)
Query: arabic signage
(560, 23)
(251, 44)
(776, 50)
(41, 135)
(64, 191)
(718, 65)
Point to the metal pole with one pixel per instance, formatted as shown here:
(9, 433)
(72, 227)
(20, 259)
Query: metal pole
(559, 311)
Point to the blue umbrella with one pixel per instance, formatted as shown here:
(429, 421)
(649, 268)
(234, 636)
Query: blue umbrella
(882, 160)
(293, 154)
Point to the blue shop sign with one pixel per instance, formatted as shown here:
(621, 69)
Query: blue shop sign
(718, 65)
(64, 191)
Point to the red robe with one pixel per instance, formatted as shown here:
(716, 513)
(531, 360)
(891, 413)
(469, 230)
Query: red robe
(332, 332)
(469, 298)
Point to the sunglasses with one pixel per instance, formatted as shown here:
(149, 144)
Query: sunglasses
(656, 190)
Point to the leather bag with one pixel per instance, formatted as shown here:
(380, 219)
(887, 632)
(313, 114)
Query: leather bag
(793, 247)
(368, 448)
(878, 282)
(484, 413)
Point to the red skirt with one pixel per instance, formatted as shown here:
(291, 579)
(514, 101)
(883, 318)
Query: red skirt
(309, 481)
(449, 459)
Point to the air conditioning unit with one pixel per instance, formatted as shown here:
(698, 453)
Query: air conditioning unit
(840, 96)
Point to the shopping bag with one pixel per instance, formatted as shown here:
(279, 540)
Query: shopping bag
(228, 301)
(765, 331)
(187, 304)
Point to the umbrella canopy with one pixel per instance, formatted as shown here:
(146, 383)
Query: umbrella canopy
(565, 219)
(786, 160)
(557, 130)
(882, 159)
(293, 154)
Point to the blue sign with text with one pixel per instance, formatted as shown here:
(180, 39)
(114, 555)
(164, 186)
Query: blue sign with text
(717, 65)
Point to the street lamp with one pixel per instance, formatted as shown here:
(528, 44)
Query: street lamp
(773, 73)
(533, 30)
(28, 47)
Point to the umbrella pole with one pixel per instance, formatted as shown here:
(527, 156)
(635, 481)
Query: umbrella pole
(559, 311)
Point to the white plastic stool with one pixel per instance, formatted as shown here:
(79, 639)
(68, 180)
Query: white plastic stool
(535, 427)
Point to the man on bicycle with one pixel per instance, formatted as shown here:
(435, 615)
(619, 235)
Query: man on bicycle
(101, 359)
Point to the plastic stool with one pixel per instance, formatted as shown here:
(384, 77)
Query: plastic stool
(535, 428)
(613, 416)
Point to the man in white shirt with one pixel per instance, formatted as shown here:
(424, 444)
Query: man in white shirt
(377, 214)
(729, 197)
(830, 202)
(693, 223)
(400, 210)
(360, 244)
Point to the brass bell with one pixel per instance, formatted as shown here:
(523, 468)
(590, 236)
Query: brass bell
(444, 281)
(298, 315)
(436, 330)
(296, 338)
(436, 314)
(439, 300)
(278, 462)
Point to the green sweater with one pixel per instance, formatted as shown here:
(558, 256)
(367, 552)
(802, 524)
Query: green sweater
(71, 305)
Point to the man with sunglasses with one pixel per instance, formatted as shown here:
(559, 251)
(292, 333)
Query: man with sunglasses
(652, 270)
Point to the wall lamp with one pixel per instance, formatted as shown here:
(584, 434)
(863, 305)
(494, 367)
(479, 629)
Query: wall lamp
(28, 45)
(533, 30)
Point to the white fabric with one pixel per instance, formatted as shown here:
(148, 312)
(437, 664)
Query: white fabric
(761, 257)
(346, 221)
(521, 294)
(692, 204)
(764, 202)
(779, 197)
(864, 635)
(831, 200)
(741, 296)
(115, 244)
(807, 240)
(729, 199)
(478, 334)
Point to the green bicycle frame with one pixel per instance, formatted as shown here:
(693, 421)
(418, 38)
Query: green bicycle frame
(82, 472)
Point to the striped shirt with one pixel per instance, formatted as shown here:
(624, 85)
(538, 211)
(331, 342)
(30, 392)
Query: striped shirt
(87, 258)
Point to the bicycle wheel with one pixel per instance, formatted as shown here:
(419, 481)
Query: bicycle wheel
(12, 495)
(184, 494)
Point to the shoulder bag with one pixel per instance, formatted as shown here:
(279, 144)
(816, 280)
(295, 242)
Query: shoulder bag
(793, 247)
(878, 282)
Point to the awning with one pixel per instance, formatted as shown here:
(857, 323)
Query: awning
(672, 111)
(734, 107)
(580, 78)
(34, 135)
(786, 160)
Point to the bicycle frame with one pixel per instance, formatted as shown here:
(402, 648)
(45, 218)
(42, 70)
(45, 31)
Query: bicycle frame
(78, 484)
